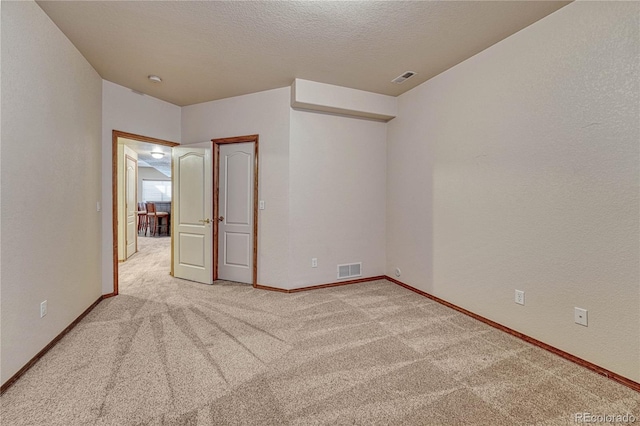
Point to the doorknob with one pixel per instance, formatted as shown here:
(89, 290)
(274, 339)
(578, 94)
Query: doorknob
(221, 218)
(204, 221)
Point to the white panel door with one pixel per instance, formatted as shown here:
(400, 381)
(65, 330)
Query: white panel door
(235, 209)
(192, 207)
(131, 204)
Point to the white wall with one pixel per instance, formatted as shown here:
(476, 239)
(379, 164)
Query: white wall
(51, 108)
(337, 175)
(267, 114)
(518, 168)
(130, 112)
(318, 174)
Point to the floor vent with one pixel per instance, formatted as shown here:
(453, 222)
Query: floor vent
(350, 270)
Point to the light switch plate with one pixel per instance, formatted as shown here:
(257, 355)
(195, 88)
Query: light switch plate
(261, 205)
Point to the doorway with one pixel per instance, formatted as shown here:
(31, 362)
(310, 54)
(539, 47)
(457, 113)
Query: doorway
(116, 137)
(235, 224)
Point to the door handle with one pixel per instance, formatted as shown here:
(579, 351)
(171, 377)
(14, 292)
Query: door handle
(221, 218)
(204, 221)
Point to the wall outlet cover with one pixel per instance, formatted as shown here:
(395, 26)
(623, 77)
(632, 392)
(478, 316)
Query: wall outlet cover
(580, 316)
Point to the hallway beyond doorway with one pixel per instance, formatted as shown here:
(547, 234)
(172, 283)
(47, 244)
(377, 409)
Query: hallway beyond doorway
(152, 261)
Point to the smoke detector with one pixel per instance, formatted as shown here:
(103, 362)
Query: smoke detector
(403, 77)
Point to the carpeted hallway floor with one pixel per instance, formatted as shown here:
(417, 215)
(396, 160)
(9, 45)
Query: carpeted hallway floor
(167, 351)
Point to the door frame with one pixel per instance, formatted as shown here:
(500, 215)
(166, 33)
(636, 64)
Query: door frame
(216, 193)
(115, 134)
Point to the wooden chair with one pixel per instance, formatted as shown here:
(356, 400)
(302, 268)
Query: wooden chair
(143, 222)
(156, 222)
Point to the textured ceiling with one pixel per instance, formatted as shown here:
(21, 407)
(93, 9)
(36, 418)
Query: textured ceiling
(218, 49)
(143, 149)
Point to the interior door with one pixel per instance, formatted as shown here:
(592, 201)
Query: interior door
(235, 210)
(131, 204)
(192, 207)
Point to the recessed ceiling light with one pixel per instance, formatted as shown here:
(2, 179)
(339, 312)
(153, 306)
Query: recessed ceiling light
(155, 78)
(157, 154)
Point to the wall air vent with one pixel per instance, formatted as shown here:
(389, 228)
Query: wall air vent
(402, 78)
(350, 270)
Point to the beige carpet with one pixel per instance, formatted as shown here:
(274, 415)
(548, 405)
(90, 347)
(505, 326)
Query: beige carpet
(168, 351)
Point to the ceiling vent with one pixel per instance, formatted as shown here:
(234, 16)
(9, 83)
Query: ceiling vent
(351, 270)
(401, 78)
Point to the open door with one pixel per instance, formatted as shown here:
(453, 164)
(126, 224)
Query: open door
(192, 208)
(126, 214)
(131, 204)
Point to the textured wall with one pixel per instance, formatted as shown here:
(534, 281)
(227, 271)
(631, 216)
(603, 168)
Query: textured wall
(51, 108)
(267, 114)
(129, 112)
(518, 169)
(337, 177)
(300, 204)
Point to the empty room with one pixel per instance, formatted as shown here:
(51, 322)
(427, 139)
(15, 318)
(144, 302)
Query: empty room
(320, 212)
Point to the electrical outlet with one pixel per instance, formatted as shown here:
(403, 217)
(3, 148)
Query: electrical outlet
(43, 309)
(520, 297)
(314, 262)
(580, 316)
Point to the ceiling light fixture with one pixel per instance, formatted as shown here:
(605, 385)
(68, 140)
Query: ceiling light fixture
(157, 154)
(154, 78)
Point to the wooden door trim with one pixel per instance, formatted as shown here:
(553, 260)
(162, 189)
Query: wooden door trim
(216, 192)
(566, 355)
(115, 134)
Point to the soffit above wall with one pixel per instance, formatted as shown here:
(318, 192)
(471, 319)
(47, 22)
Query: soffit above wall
(320, 97)
(212, 50)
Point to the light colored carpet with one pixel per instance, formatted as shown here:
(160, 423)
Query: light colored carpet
(167, 351)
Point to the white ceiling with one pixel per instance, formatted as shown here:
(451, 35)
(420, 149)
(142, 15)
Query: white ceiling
(207, 50)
